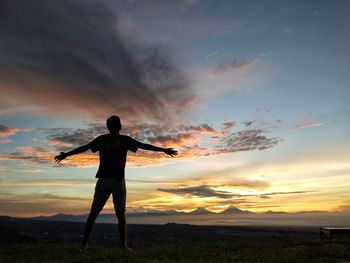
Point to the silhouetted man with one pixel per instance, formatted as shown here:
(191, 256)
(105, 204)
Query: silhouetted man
(112, 148)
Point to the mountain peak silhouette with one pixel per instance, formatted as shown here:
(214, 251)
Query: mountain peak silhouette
(235, 210)
(200, 211)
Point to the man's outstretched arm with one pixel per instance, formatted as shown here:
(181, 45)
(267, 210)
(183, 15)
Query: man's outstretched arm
(149, 147)
(78, 150)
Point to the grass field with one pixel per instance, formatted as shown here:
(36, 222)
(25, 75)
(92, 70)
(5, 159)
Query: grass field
(201, 252)
(41, 241)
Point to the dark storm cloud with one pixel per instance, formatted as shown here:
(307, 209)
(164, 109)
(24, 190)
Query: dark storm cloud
(67, 55)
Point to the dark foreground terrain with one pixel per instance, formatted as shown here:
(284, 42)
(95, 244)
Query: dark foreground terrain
(46, 241)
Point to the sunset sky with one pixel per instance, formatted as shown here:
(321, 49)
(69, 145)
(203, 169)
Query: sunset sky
(254, 95)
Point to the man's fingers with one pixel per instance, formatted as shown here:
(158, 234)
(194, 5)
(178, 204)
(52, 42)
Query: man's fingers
(171, 152)
(58, 158)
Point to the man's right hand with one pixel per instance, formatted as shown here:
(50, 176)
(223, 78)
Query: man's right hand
(170, 151)
(60, 157)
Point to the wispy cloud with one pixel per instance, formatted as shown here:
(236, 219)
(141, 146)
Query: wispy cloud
(7, 131)
(269, 194)
(306, 125)
(248, 123)
(212, 54)
(204, 191)
(197, 191)
(248, 140)
(38, 155)
(227, 126)
(203, 128)
(233, 65)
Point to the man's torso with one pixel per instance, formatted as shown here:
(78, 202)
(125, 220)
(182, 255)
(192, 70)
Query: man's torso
(113, 152)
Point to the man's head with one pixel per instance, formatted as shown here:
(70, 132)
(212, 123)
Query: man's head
(113, 124)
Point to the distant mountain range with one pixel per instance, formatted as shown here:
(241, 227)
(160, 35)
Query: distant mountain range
(230, 216)
(153, 213)
(235, 210)
(200, 211)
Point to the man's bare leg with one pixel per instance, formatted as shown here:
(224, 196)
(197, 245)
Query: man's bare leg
(100, 198)
(122, 230)
(88, 227)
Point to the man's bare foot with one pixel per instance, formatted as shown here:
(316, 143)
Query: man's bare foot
(127, 249)
(83, 248)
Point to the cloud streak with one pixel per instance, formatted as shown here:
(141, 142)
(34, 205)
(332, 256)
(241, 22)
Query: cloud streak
(7, 131)
(232, 65)
(203, 191)
(197, 191)
(68, 56)
(306, 125)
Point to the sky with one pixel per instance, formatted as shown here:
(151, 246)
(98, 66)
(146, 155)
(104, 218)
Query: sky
(253, 94)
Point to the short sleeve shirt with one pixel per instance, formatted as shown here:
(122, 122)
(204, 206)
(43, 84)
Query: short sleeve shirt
(113, 152)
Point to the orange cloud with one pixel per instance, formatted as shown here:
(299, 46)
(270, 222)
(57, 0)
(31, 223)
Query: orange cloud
(191, 141)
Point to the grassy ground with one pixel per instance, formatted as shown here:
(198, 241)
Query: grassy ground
(201, 252)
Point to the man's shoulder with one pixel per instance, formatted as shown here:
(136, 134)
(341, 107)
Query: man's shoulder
(129, 140)
(101, 137)
(124, 137)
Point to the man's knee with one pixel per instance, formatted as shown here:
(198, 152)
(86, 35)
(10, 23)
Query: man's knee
(120, 214)
(94, 212)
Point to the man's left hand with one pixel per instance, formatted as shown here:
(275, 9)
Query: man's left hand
(170, 151)
(60, 157)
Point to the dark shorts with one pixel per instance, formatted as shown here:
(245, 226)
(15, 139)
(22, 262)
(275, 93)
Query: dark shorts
(104, 188)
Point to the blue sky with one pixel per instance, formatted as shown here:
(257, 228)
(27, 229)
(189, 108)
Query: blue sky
(254, 95)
